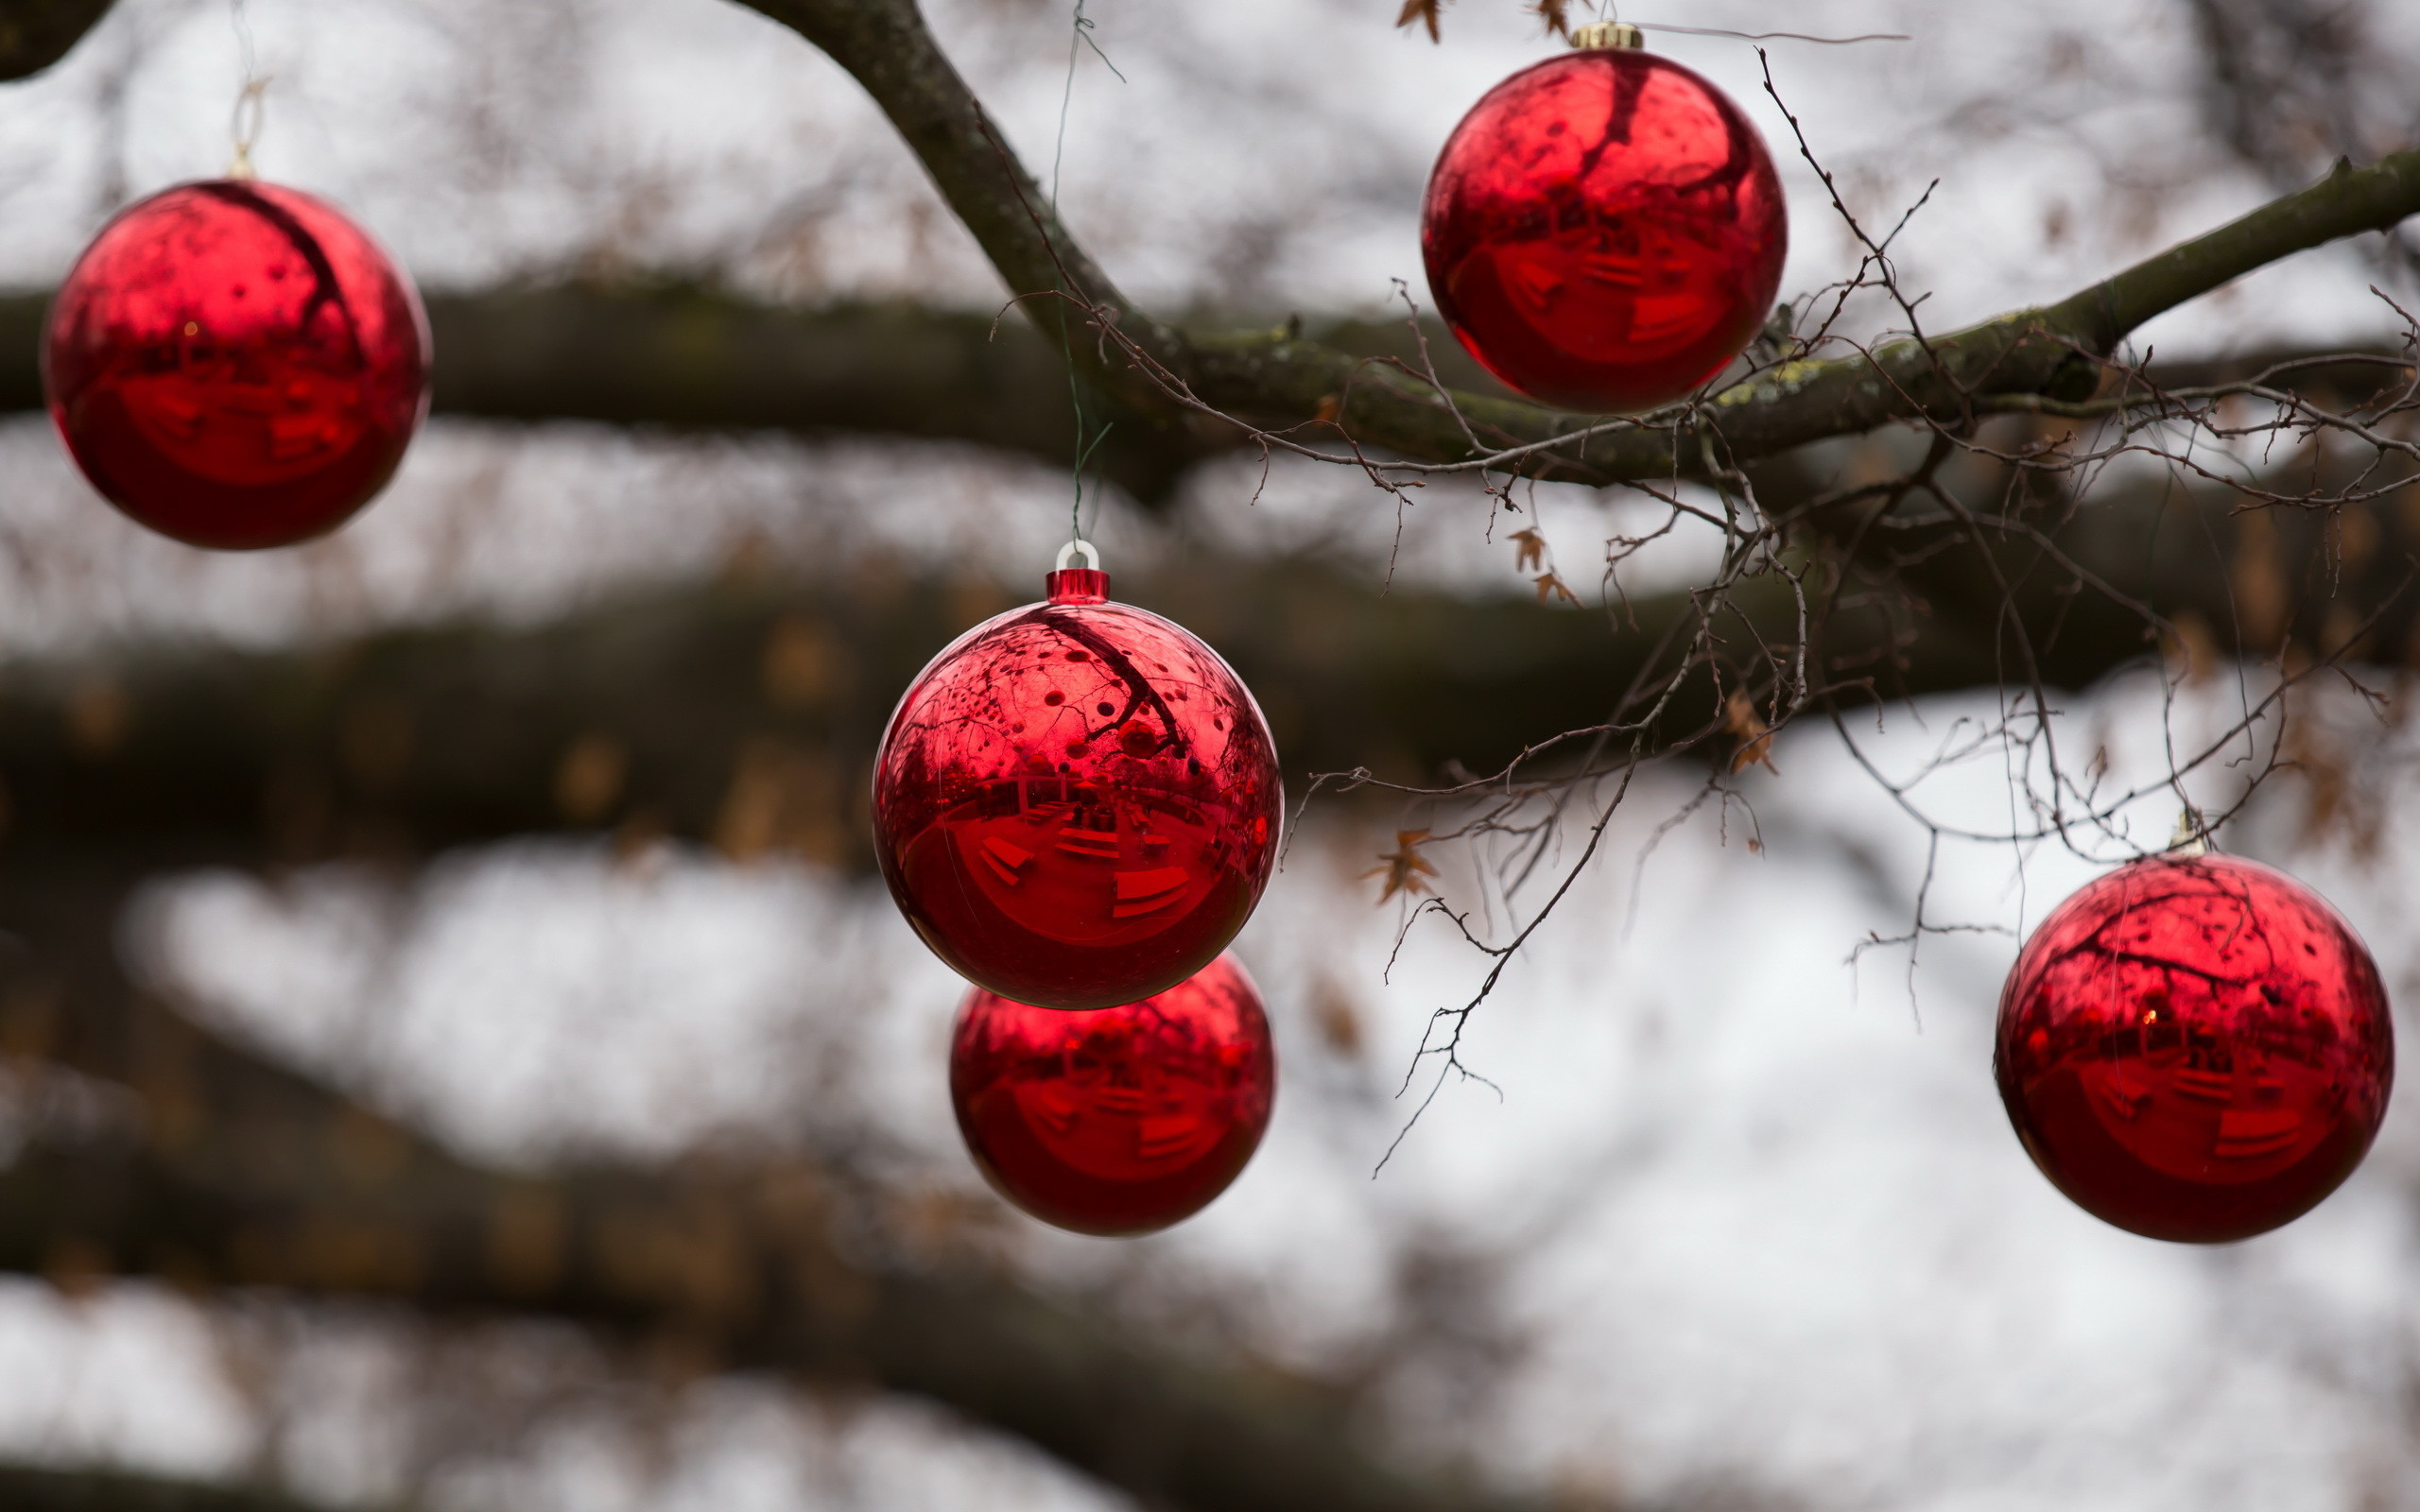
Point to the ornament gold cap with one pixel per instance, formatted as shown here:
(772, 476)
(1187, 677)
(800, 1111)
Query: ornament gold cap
(1618, 36)
(2191, 838)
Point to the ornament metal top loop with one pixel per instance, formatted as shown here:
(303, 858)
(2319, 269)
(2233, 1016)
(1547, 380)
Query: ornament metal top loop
(2192, 839)
(1618, 36)
(245, 128)
(244, 122)
(1068, 552)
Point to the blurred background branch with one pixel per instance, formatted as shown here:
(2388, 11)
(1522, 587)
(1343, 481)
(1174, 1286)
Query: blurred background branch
(224, 1172)
(741, 713)
(31, 1488)
(35, 34)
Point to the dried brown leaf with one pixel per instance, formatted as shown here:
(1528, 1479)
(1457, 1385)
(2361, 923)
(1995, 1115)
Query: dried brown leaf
(2191, 647)
(2264, 599)
(1405, 868)
(1551, 586)
(1554, 13)
(1424, 11)
(1534, 549)
(1740, 718)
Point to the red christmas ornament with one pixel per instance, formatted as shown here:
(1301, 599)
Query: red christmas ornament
(1117, 1120)
(237, 365)
(2195, 1048)
(1077, 803)
(1604, 230)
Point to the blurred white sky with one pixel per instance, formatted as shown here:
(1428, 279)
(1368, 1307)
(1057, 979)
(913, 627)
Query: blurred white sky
(1746, 1218)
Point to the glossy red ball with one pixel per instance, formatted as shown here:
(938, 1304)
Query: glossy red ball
(1077, 803)
(2195, 1048)
(237, 365)
(1116, 1121)
(1604, 231)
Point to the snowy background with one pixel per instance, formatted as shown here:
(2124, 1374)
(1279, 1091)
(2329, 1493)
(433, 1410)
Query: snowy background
(1746, 1221)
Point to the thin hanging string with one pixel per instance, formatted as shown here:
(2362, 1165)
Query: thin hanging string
(244, 123)
(1609, 10)
(1087, 442)
(1777, 36)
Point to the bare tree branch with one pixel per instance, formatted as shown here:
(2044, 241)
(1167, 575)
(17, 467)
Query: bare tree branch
(735, 714)
(687, 357)
(34, 1488)
(1275, 379)
(743, 715)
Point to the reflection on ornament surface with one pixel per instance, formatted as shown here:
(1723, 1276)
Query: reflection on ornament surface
(1077, 803)
(1116, 1121)
(237, 365)
(2195, 1048)
(1604, 231)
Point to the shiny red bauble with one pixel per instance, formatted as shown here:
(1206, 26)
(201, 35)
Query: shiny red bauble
(2195, 1048)
(1604, 231)
(1077, 803)
(237, 365)
(1117, 1120)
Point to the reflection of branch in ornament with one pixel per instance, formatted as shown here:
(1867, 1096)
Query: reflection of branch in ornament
(325, 288)
(1138, 687)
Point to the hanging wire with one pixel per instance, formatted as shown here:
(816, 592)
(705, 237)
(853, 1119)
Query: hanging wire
(1776, 36)
(1608, 10)
(1087, 441)
(244, 122)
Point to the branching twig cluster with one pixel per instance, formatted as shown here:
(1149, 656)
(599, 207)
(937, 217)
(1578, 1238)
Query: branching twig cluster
(1765, 640)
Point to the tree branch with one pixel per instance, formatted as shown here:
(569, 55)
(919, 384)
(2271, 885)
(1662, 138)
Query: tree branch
(693, 358)
(35, 34)
(889, 50)
(35, 1488)
(729, 713)
(686, 357)
(1175, 382)
(2346, 202)
(1272, 379)
(743, 715)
